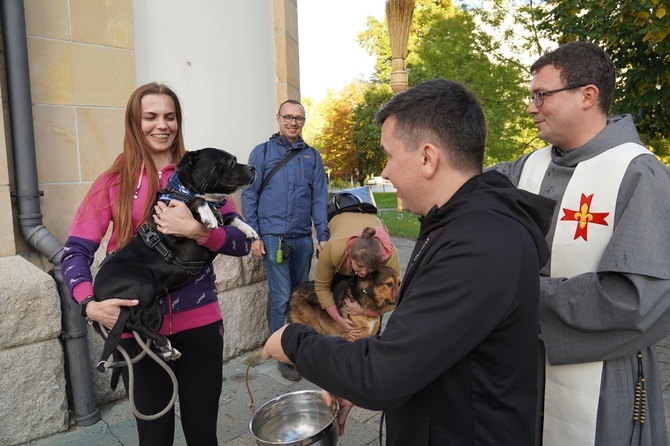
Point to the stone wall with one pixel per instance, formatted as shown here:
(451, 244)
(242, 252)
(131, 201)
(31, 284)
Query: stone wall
(32, 378)
(245, 307)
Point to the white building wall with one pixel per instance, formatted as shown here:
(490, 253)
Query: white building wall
(218, 56)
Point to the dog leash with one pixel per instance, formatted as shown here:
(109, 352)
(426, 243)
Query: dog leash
(335, 405)
(246, 381)
(146, 350)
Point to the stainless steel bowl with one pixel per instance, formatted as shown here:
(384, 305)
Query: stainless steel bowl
(295, 419)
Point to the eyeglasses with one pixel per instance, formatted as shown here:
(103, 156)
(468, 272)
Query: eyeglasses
(288, 118)
(538, 97)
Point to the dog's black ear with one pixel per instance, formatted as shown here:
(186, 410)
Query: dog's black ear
(188, 159)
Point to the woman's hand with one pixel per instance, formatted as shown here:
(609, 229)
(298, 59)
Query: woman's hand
(177, 219)
(106, 312)
(352, 332)
(352, 307)
(345, 408)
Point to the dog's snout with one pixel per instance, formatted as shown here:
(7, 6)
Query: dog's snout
(251, 171)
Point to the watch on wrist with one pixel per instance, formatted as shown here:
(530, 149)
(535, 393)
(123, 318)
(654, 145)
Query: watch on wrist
(84, 303)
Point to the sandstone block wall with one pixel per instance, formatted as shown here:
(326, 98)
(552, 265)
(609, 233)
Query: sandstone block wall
(32, 378)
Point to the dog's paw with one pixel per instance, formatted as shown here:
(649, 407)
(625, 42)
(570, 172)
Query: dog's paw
(207, 217)
(245, 228)
(171, 355)
(167, 351)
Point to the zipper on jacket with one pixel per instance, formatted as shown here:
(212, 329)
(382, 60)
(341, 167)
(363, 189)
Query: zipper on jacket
(169, 315)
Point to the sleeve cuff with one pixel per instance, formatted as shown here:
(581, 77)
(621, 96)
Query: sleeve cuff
(332, 311)
(371, 313)
(215, 239)
(81, 291)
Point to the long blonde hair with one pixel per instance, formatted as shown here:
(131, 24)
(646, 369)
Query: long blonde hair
(137, 155)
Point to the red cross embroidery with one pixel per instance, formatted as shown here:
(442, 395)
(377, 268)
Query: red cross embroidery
(584, 216)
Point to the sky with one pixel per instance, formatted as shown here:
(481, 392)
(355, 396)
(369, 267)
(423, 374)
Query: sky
(330, 57)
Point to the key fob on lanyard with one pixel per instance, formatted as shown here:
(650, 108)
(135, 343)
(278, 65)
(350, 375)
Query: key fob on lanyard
(279, 255)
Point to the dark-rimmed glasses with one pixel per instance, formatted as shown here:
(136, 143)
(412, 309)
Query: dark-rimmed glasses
(288, 118)
(538, 97)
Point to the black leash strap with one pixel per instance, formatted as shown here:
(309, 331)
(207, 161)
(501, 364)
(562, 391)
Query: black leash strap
(153, 240)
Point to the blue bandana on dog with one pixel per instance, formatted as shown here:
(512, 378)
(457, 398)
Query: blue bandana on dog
(175, 190)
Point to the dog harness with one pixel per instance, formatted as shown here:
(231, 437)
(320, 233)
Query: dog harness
(153, 240)
(175, 190)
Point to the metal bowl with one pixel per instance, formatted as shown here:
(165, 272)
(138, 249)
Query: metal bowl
(295, 419)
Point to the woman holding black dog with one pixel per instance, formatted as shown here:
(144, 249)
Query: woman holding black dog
(358, 245)
(192, 321)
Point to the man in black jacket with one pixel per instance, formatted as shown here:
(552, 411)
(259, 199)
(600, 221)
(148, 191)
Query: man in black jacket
(457, 362)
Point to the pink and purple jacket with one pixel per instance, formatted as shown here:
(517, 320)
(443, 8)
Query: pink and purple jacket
(195, 304)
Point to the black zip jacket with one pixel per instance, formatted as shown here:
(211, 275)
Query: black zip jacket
(457, 362)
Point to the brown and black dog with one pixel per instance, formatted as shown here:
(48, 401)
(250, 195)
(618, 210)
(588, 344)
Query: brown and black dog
(376, 290)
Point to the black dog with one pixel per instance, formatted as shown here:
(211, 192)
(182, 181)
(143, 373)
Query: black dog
(152, 263)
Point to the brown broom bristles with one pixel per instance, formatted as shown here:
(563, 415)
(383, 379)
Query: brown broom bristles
(399, 21)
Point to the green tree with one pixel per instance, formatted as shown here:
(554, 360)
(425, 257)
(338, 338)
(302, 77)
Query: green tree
(311, 132)
(447, 41)
(337, 145)
(635, 34)
(367, 133)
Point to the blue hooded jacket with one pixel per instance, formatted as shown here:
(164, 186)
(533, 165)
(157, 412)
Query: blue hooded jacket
(295, 197)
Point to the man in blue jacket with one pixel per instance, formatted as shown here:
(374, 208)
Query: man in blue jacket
(289, 194)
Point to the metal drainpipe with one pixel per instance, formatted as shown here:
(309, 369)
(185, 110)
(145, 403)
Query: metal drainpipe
(74, 328)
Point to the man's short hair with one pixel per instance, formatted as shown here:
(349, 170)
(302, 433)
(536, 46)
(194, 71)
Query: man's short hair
(444, 113)
(582, 63)
(289, 101)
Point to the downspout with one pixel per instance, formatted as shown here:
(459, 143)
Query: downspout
(74, 327)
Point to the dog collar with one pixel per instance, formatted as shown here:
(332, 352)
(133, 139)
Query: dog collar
(175, 184)
(175, 190)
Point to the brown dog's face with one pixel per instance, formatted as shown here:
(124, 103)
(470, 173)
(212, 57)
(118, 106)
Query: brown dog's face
(382, 286)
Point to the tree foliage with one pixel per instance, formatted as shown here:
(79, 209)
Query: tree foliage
(311, 132)
(367, 133)
(490, 49)
(448, 41)
(635, 35)
(336, 142)
(451, 43)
